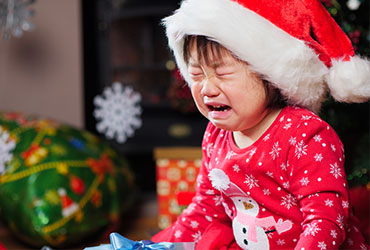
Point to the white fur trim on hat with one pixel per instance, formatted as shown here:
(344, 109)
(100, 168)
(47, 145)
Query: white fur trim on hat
(289, 63)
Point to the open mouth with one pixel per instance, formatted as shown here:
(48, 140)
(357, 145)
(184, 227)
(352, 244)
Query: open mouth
(220, 108)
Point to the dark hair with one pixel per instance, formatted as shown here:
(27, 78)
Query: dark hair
(205, 46)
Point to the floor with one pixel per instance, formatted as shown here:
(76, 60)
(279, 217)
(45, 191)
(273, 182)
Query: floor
(139, 225)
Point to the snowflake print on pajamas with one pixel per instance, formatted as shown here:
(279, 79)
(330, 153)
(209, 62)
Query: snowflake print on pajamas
(209, 149)
(300, 149)
(340, 220)
(194, 224)
(236, 168)
(321, 245)
(190, 208)
(292, 140)
(333, 233)
(6, 147)
(252, 152)
(118, 112)
(196, 236)
(271, 175)
(266, 138)
(275, 150)
(287, 126)
(335, 170)
(311, 229)
(317, 138)
(280, 242)
(345, 204)
(363, 246)
(266, 191)
(251, 181)
(304, 181)
(306, 117)
(230, 154)
(329, 203)
(210, 192)
(178, 234)
(318, 157)
(288, 201)
(218, 200)
(284, 166)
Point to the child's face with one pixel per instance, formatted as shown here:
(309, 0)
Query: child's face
(226, 91)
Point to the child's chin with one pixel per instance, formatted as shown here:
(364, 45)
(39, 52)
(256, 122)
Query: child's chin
(222, 125)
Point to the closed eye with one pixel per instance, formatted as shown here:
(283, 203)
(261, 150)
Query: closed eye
(195, 72)
(224, 71)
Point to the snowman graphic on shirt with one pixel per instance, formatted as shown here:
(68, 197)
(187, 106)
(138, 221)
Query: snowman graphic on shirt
(249, 230)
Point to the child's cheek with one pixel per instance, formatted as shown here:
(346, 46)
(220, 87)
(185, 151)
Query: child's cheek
(198, 98)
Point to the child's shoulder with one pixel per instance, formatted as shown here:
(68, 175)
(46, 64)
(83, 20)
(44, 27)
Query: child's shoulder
(305, 123)
(298, 117)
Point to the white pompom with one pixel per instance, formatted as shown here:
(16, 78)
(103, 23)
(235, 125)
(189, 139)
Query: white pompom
(219, 179)
(349, 81)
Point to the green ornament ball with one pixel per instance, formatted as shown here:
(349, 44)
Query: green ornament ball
(58, 184)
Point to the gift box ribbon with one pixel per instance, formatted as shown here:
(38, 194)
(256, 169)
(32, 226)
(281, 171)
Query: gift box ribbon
(118, 242)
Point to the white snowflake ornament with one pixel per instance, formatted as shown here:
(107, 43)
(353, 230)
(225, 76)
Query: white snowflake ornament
(6, 147)
(14, 15)
(118, 112)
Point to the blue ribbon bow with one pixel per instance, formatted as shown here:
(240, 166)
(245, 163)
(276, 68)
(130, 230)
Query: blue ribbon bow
(118, 242)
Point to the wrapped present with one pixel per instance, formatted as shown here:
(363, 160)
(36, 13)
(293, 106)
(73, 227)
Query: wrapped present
(58, 184)
(119, 242)
(177, 169)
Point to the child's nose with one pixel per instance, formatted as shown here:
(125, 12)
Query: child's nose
(209, 87)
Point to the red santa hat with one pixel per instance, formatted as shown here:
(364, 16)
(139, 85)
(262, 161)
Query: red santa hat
(294, 44)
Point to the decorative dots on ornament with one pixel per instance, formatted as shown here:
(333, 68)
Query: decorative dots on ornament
(118, 112)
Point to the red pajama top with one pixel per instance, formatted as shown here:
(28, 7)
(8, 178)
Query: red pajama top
(287, 190)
